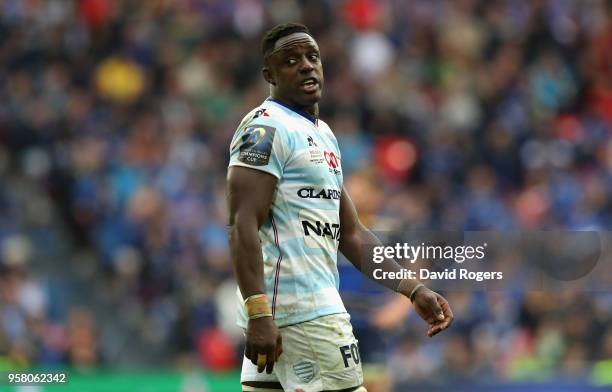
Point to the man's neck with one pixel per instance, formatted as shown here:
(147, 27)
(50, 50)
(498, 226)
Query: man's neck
(312, 111)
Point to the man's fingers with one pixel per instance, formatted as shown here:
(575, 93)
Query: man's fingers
(269, 367)
(440, 324)
(271, 359)
(448, 320)
(448, 313)
(436, 309)
(279, 347)
(433, 331)
(262, 359)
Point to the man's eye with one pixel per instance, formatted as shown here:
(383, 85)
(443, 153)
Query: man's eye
(314, 57)
(291, 61)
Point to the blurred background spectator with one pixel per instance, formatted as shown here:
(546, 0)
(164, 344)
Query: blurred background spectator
(461, 115)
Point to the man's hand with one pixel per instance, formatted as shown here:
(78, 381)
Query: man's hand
(263, 343)
(434, 309)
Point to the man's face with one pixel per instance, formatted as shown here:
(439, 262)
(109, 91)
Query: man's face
(294, 68)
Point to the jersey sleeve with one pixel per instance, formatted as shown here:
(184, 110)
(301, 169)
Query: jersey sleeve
(261, 145)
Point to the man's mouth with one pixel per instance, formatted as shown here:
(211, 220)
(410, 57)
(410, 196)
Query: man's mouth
(309, 85)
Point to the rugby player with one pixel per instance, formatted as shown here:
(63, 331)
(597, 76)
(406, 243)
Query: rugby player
(289, 214)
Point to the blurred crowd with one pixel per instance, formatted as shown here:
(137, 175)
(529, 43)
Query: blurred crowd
(115, 122)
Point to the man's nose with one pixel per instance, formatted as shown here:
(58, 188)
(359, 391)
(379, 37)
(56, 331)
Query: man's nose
(306, 65)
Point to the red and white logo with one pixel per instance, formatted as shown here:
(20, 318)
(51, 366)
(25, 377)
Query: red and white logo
(331, 159)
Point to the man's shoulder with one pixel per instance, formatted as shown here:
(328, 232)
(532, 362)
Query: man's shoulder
(265, 114)
(323, 127)
(262, 123)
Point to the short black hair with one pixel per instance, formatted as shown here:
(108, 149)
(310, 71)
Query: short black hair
(277, 32)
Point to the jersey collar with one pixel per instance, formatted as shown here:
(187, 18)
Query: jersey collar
(302, 113)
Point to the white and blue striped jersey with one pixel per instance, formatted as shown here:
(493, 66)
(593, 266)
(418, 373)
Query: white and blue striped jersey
(299, 240)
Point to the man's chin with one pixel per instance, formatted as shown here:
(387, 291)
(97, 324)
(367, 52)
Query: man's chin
(310, 99)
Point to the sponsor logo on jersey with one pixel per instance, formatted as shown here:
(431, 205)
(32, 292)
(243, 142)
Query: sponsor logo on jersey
(261, 112)
(321, 229)
(316, 156)
(312, 193)
(350, 352)
(331, 159)
(332, 162)
(311, 141)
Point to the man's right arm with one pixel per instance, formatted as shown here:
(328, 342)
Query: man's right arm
(249, 194)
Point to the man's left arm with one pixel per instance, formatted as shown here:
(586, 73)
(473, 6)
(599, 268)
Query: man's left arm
(356, 240)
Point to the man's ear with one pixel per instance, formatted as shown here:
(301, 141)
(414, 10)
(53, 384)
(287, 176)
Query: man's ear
(267, 74)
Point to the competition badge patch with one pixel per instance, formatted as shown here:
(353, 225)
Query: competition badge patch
(256, 145)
